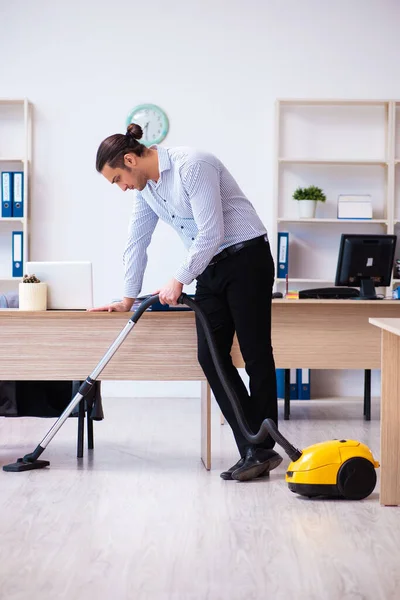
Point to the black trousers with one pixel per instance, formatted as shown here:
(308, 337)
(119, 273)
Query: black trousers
(236, 295)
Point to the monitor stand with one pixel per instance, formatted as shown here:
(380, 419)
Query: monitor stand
(367, 291)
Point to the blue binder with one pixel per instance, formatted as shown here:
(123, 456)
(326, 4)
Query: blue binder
(6, 194)
(17, 253)
(280, 383)
(303, 384)
(18, 194)
(293, 384)
(283, 254)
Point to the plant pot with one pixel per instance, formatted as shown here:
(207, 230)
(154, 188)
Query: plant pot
(307, 209)
(33, 296)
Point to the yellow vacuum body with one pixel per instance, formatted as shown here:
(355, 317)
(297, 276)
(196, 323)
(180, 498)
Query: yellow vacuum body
(335, 469)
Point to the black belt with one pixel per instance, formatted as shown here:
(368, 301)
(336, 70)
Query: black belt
(262, 239)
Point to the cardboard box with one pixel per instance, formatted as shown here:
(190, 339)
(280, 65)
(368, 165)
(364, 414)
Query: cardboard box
(355, 206)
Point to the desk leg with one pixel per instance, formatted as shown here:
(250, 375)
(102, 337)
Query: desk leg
(286, 406)
(390, 420)
(206, 424)
(90, 432)
(81, 427)
(367, 394)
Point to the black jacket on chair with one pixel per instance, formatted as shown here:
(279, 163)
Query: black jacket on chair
(46, 399)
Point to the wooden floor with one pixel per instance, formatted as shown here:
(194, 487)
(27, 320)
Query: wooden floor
(141, 519)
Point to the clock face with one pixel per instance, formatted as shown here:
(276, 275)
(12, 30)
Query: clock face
(153, 120)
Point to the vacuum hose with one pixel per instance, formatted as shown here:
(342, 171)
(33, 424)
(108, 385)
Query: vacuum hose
(268, 427)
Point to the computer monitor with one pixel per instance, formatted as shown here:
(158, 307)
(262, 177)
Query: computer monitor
(365, 261)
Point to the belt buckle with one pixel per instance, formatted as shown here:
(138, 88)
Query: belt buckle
(239, 246)
(218, 257)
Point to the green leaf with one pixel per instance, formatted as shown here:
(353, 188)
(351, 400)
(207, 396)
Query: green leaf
(309, 193)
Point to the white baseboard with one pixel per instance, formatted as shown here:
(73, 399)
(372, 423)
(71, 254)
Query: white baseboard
(150, 389)
(324, 383)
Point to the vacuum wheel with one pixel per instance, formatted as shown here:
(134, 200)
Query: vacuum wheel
(356, 478)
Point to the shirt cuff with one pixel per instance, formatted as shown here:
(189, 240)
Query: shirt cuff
(184, 276)
(131, 290)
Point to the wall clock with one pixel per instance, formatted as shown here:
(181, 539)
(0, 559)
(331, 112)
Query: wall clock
(153, 120)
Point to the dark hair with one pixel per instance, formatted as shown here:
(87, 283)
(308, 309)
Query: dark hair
(112, 150)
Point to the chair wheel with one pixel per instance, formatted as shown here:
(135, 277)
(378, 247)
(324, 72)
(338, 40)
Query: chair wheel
(356, 478)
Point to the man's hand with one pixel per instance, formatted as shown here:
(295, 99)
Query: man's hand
(170, 293)
(123, 306)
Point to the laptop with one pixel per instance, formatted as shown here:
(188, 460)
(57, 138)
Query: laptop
(69, 284)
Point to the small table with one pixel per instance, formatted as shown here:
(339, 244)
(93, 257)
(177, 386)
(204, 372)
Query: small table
(390, 411)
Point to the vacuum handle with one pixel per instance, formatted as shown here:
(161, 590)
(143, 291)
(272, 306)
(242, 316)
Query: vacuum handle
(142, 307)
(148, 302)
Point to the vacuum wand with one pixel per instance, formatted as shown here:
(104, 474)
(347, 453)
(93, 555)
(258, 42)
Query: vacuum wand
(30, 461)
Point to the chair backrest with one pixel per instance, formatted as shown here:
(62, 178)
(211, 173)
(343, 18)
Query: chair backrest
(10, 300)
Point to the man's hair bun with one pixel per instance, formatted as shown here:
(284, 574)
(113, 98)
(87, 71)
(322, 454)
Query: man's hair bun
(134, 131)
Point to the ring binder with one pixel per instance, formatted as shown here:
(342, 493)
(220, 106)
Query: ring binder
(18, 194)
(17, 253)
(6, 194)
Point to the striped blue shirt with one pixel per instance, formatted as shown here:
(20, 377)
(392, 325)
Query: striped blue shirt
(198, 196)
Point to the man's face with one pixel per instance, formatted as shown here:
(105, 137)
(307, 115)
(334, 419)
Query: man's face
(130, 178)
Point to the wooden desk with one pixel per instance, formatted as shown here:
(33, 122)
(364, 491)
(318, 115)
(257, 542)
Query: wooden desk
(328, 334)
(390, 410)
(67, 345)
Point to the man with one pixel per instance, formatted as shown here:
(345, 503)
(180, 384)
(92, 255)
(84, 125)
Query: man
(228, 255)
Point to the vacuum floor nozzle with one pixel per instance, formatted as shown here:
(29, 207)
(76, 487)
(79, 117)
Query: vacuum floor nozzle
(23, 465)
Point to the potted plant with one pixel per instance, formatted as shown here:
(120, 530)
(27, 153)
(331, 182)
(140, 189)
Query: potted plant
(308, 198)
(32, 293)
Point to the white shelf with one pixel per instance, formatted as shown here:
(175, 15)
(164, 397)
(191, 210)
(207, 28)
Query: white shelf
(333, 161)
(363, 221)
(332, 102)
(12, 101)
(10, 278)
(297, 280)
(294, 280)
(3, 159)
(12, 219)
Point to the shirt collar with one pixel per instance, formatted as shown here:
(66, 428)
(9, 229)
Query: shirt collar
(164, 161)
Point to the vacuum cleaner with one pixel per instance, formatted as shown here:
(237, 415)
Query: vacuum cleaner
(332, 469)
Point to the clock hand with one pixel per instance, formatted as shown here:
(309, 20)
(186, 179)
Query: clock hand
(146, 128)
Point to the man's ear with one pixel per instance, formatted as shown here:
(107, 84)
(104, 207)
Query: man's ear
(130, 160)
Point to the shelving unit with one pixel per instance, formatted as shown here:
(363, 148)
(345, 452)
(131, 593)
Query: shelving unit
(344, 147)
(15, 155)
(315, 161)
(353, 221)
(299, 280)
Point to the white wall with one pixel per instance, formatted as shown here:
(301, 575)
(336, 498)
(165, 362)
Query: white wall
(215, 66)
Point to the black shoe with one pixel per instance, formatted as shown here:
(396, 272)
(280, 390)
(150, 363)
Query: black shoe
(228, 474)
(257, 462)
